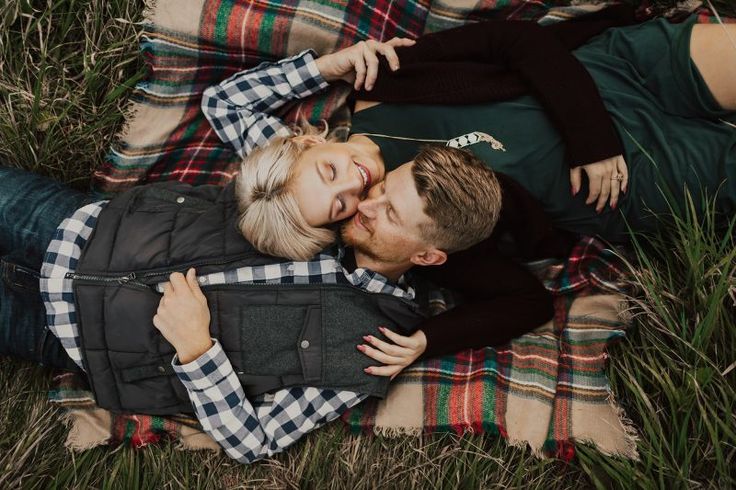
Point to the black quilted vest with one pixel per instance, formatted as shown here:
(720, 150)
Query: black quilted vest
(274, 335)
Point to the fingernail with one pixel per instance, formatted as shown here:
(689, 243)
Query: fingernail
(361, 347)
(394, 67)
(382, 329)
(367, 370)
(613, 206)
(599, 211)
(367, 338)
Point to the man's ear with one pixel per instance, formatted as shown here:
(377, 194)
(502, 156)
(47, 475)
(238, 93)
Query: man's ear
(430, 256)
(308, 140)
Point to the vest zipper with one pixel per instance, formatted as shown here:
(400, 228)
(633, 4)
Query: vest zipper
(89, 277)
(127, 280)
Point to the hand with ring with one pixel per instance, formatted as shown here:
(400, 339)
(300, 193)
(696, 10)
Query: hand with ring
(606, 180)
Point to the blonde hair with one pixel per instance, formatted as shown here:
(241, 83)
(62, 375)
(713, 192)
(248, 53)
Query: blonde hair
(462, 197)
(270, 217)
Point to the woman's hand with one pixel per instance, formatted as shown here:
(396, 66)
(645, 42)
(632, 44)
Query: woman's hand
(183, 317)
(396, 356)
(358, 64)
(606, 178)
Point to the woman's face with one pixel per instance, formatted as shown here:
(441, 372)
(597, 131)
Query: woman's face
(331, 178)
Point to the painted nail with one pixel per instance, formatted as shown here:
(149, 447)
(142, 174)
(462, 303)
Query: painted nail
(361, 348)
(367, 370)
(382, 329)
(613, 206)
(367, 338)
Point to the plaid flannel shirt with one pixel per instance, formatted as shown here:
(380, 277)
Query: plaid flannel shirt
(241, 108)
(246, 429)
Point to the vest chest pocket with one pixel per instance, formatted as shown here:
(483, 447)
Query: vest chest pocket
(282, 340)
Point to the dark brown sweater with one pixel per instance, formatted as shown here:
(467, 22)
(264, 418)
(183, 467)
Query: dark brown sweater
(499, 60)
(496, 61)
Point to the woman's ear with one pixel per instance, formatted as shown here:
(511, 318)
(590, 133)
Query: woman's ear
(308, 140)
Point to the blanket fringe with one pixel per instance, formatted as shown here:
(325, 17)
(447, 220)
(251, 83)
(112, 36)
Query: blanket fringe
(631, 435)
(393, 432)
(74, 439)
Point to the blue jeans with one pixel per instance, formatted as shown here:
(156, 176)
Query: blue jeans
(31, 208)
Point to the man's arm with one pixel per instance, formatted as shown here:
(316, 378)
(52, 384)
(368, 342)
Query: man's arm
(241, 108)
(246, 431)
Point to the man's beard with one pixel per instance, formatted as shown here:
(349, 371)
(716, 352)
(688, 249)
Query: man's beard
(370, 247)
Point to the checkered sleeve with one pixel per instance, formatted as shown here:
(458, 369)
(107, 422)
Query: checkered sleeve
(241, 108)
(251, 431)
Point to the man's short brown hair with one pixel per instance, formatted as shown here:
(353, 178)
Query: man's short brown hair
(461, 194)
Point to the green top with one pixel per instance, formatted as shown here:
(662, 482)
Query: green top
(647, 93)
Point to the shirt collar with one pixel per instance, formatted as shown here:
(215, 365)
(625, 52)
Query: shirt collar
(368, 279)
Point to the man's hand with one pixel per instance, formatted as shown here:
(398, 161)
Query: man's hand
(605, 179)
(183, 317)
(358, 64)
(396, 356)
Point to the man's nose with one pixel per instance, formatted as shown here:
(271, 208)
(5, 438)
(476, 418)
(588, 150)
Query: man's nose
(369, 207)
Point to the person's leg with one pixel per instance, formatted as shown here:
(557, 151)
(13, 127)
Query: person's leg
(31, 208)
(713, 50)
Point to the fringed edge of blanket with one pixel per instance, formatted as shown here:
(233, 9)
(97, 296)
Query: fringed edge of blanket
(75, 439)
(565, 450)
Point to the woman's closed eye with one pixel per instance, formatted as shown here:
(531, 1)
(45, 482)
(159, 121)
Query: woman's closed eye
(339, 205)
(333, 171)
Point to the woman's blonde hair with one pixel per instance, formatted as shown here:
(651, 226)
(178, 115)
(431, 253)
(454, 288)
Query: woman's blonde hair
(270, 217)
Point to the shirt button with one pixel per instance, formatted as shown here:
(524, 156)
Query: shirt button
(180, 200)
(304, 344)
(202, 279)
(161, 369)
(290, 267)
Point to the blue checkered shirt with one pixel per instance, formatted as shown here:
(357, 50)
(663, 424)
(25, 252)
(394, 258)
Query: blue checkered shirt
(246, 429)
(242, 108)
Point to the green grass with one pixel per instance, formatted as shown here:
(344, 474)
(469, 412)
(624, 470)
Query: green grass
(65, 72)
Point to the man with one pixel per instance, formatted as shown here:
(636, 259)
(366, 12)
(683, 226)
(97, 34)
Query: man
(100, 314)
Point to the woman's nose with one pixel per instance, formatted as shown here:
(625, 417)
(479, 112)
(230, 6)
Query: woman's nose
(351, 182)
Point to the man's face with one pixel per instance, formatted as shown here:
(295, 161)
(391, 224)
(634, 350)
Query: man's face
(386, 227)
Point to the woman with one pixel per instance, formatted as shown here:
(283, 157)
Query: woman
(640, 90)
(659, 105)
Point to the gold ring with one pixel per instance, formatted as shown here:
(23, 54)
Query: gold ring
(618, 177)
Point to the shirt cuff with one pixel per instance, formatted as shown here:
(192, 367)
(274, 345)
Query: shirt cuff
(205, 371)
(303, 75)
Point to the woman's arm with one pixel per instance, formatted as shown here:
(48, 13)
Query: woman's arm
(502, 301)
(497, 60)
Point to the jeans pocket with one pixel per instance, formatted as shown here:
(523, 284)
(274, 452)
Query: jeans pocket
(19, 278)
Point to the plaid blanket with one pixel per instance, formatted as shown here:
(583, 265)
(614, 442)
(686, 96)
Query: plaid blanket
(190, 45)
(546, 389)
